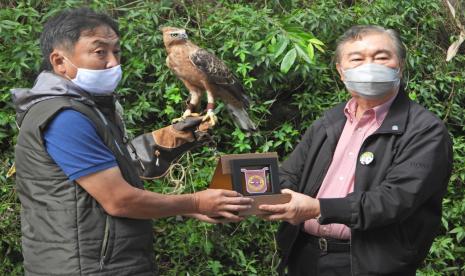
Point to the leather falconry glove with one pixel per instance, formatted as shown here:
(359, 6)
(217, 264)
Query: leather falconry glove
(153, 153)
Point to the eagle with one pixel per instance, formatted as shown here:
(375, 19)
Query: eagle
(201, 71)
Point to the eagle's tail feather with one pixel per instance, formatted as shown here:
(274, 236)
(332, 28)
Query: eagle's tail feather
(242, 118)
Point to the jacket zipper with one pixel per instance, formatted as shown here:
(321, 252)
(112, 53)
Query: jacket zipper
(104, 250)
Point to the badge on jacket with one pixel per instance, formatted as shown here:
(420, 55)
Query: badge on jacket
(366, 158)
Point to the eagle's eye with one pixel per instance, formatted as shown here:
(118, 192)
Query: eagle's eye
(174, 34)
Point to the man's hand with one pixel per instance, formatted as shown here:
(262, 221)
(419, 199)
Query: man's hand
(224, 203)
(300, 208)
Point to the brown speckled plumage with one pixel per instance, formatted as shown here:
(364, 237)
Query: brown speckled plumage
(201, 71)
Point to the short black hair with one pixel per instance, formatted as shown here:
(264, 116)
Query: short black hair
(65, 29)
(358, 31)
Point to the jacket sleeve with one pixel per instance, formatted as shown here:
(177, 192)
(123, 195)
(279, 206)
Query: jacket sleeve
(290, 171)
(420, 171)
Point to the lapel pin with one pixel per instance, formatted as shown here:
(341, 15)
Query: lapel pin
(395, 127)
(366, 158)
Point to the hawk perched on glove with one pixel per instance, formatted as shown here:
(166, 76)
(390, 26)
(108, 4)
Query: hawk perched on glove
(201, 71)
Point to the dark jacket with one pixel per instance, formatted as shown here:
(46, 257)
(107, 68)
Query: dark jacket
(395, 209)
(64, 230)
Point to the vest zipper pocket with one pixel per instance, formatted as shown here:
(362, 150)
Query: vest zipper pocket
(105, 242)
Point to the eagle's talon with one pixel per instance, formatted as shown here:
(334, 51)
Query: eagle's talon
(186, 114)
(177, 120)
(211, 118)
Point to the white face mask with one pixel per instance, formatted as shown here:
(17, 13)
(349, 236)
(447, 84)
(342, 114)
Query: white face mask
(372, 80)
(97, 81)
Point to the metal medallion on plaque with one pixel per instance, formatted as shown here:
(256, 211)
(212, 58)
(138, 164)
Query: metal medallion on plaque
(255, 180)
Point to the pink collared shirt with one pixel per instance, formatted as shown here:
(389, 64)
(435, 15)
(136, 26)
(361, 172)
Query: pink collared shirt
(339, 180)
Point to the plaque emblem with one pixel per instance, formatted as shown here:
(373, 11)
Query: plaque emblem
(255, 180)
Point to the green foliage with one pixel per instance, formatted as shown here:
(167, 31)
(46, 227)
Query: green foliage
(282, 51)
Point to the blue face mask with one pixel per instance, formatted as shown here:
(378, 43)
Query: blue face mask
(97, 81)
(372, 80)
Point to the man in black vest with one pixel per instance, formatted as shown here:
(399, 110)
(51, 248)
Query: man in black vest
(84, 209)
(368, 178)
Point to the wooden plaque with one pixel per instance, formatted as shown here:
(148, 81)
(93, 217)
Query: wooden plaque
(253, 175)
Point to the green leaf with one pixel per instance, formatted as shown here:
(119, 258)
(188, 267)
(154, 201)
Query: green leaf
(316, 41)
(282, 45)
(257, 45)
(310, 51)
(303, 54)
(457, 230)
(292, 28)
(319, 48)
(273, 40)
(304, 36)
(208, 247)
(269, 102)
(242, 56)
(215, 266)
(288, 61)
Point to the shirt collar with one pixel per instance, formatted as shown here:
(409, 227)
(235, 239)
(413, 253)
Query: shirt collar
(380, 111)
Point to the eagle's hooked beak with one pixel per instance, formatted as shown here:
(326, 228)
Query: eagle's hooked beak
(184, 36)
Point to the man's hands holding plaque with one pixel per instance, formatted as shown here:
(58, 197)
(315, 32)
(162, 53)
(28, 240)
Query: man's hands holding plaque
(218, 205)
(300, 208)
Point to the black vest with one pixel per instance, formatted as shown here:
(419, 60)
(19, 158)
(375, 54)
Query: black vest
(64, 230)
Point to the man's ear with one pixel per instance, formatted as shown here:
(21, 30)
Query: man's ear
(339, 70)
(57, 61)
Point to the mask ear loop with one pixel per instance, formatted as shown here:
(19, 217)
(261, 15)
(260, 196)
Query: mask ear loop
(77, 68)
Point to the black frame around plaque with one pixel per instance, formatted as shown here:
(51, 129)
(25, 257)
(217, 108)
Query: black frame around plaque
(236, 174)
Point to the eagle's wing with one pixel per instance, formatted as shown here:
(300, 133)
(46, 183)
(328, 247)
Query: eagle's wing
(219, 74)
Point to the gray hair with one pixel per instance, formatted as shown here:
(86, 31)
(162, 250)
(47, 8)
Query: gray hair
(357, 32)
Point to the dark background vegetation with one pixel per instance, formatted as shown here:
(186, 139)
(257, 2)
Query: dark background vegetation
(275, 49)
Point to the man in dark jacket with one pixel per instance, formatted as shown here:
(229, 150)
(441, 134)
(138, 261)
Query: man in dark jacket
(84, 209)
(368, 178)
